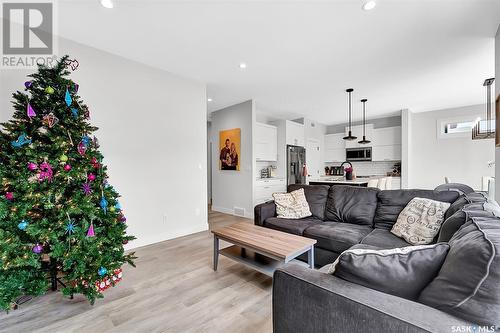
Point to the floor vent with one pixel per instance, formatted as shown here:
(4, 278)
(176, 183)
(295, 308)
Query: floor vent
(239, 211)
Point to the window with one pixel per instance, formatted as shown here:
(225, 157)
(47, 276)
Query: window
(460, 127)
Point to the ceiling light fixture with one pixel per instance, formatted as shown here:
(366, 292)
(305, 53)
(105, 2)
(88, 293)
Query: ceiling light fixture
(350, 137)
(364, 141)
(107, 4)
(369, 5)
(243, 65)
(209, 99)
(485, 129)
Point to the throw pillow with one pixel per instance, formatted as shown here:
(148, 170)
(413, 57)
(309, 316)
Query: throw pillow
(292, 205)
(403, 272)
(419, 222)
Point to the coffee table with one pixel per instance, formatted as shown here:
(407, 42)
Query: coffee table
(261, 248)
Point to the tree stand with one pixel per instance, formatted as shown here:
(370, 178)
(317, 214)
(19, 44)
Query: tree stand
(53, 277)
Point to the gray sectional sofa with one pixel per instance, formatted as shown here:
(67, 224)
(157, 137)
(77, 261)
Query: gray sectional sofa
(465, 293)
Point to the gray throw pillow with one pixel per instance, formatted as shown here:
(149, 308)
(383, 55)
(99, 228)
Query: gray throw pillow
(403, 272)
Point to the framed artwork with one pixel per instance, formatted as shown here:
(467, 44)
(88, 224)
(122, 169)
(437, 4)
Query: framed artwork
(229, 149)
(497, 124)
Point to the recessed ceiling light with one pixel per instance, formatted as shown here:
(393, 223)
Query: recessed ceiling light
(107, 3)
(369, 5)
(209, 99)
(243, 65)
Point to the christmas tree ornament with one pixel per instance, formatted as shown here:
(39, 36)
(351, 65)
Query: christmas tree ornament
(67, 98)
(72, 63)
(46, 172)
(49, 90)
(30, 111)
(21, 141)
(76, 87)
(37, 248)
(70, 227)
(50, 120)
(9, 196)
(32, 166)
(28, 84)
(91, 177)
(90, 232)
(67, 167)
(42, 130)
(104, 204)
(86, 113)
(82, 148)
(86, 140)
(122, 218)
(87, 190)
(118, 206)
(22, 225)
(102, 271)
(74, 112)
(125, 241)
(63, 158)
(95, 163)
(112, 209)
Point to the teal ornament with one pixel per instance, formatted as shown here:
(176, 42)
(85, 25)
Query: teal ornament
(67, 98)
(70, 227)
(104, 204)
(102, 271)
(21, 141)
(118, 206)
(86, 140)
(74, 112)
(23, 225)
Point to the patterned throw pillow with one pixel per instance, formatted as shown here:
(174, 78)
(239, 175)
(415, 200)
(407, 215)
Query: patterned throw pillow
(292, 205)
(419, 222)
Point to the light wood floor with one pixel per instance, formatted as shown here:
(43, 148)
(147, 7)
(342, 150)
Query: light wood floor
(173, 289)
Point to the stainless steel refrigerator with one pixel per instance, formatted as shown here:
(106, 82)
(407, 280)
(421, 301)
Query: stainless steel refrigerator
(295, 163)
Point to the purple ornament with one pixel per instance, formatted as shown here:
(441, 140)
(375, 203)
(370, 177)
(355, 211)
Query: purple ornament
(37, 248)
(77, 86)
(28, 84)
(86, 189)
(30, 112)
(123, 218)
(9, 196)
(46, 172)
(32, 166)
(90, 232)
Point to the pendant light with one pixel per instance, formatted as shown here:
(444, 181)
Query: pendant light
(364, 141)
(350, 137)
(485, 129)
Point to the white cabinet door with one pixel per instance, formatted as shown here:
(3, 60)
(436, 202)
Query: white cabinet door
(334, 147)
(386, 153)
(265, 188)
(387, 136)
(335, 155)
(266, 142)
(295, 134)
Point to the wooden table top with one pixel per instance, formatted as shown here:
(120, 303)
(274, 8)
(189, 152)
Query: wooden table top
(277, 243)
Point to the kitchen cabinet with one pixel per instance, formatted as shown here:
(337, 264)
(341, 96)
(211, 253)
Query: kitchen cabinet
(264, 189)
(295, 134)
(387, 144)
(386, 153)
(334, 148)
(266, 142)
(358, 132)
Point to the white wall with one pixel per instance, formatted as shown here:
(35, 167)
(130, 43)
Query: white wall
(316, 131)
(232, 189)
(406, 142)
(462, 159)
(153, 138)
(497, 94)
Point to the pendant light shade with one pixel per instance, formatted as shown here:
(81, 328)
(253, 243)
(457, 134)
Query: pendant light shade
(485, 129)
(364, 141)
(350, 137)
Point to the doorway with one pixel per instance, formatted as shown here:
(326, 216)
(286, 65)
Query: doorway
(313, 158)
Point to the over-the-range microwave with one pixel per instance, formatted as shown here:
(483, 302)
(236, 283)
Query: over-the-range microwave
(358, 154)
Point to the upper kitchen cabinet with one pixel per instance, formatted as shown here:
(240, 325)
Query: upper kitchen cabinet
(266, 142)
(358, 132)
(295, 133)
(334, 148)
(386, 144)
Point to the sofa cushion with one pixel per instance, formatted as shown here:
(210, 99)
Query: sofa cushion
(292, 226)
(384, 239)
(402, 272)
(392, 202)
(351, 204)
(456, 206)
(292, 205)
(468, 284)
(419, 222)
(336, 236)
(316, 196)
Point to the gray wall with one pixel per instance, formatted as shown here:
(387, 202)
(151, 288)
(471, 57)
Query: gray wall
(153, 137)
(497, 94)
(232, 189)
(377, 123)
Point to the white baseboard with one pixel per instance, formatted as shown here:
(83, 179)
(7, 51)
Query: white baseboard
(231, 211)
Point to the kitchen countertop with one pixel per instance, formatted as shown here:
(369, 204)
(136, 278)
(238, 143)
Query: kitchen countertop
(360, 180)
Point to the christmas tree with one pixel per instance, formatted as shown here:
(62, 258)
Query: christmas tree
(59, 217)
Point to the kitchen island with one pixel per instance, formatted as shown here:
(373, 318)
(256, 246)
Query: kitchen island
(338, 180)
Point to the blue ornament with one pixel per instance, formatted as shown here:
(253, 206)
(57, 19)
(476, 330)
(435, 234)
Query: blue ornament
(74, 111)
(20, 141)
(23, 225)
(118, 206)
(104, 204)
(70, 227)
(67, 98)
(86, 140)
(102, 271)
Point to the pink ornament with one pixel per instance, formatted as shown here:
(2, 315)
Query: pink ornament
(9, 196)
(90, 232)
(30, 112)
(67, 167)
(91, 177)
(82, 148)
(32, 166)
(37, 248)
(46, 172)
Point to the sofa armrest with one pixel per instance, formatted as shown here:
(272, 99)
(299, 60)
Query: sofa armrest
(306, 300)
(263, 212)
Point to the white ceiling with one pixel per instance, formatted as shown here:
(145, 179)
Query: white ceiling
(302, 55)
